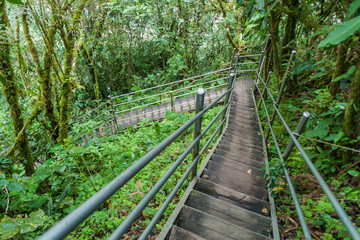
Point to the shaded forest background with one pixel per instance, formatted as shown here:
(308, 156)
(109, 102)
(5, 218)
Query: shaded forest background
(61, 57)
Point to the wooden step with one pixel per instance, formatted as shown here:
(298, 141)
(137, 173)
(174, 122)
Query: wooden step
(241, 157)
(247, 186)
(244, 175)
(213, 228)
(213, 164)
(178, 233)
(228, 212)
(239, 144)
(231, 196)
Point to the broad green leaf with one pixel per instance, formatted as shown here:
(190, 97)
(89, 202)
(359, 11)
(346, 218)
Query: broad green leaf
(37, 218)
(318, 75)
(14, 187)
(342, 32)
(19, 2)
(317, 133)
(299, 68)
(8, 228)
(3, 182)
(354, 172)
(353, 8)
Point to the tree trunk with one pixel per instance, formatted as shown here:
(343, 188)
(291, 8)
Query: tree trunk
(10, 91)
(288, 42)
(70, 48)
(274, 31)
(339, 69)
(350, 123)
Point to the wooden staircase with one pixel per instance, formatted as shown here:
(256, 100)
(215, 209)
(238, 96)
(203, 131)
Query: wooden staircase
(230, 200)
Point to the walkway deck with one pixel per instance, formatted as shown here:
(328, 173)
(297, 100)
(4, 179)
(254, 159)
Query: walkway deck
(156, 112)
(230, 200)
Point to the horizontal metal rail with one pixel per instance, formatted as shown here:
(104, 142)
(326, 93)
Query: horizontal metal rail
(173, 91)
(253, 55)
(75, 218)
(334, 202)
(166, 84)
(163, 207)
(300, 213)
(124, 226)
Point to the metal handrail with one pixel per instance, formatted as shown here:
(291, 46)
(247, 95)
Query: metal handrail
(166, 84)
(81, 213)
(294, 142)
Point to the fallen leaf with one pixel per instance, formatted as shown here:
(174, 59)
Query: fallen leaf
(264, 211)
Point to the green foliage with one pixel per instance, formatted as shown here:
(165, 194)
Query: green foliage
(353, 8)
(18, 2)
(342, 32)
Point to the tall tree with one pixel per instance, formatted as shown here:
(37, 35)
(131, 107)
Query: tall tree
(9, 88)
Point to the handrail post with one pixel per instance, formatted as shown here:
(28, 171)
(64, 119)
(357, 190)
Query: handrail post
(172, 101)
(236, 63)
(281, 91)
(159, 90)
(264, 95)
(113, 111)
(232, 60)
(227, 98)
(304, 118)
(199, 105)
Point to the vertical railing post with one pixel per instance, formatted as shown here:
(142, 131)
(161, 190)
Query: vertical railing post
(172, 101)
(113, 111)
(232, 60)
(227, 99)
(199, 105)
(264, 94)
(236, 64)
(304, 118)
(158, 82)
(281, 91)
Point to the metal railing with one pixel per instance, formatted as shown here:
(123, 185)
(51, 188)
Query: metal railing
(294, 142)
(112, 113)
(81, 213)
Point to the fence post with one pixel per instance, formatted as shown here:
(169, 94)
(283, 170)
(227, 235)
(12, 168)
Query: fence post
(232, 60)
(227, 99)
(158, 82)
(113, 111)
(265, 91)
(199, 105)
(172, 101)
(281, 91)
(304, 118)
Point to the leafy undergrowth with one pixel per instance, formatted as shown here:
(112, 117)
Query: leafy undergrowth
(74, 173)
(342, 177)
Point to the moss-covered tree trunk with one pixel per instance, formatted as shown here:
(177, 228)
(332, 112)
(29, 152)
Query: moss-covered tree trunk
(69, 40)
(351, 117)
(10, 91)
(339, 69)
(288, 42)
(274, 31)
(44, 72)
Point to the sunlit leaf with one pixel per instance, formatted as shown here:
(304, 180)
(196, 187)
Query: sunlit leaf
(342, 32)
(18, 2)
(353, 8)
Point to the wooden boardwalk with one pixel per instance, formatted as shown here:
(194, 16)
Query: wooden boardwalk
(156, 112)
(230, 200)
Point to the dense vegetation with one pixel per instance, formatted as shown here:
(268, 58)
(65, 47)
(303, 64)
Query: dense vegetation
(58, 58)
